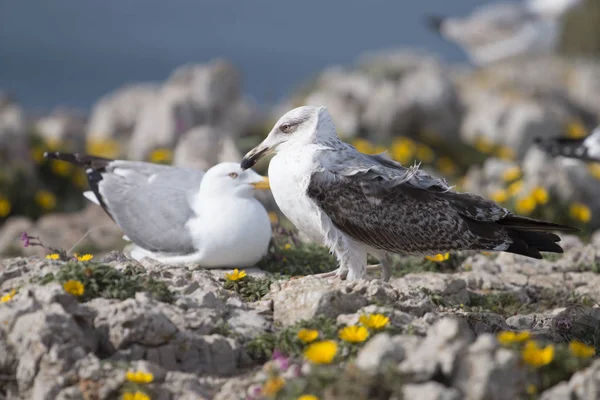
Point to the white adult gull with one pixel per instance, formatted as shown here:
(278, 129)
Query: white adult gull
(179, 215)
(503, 30)
(586, 149)
(357, 204)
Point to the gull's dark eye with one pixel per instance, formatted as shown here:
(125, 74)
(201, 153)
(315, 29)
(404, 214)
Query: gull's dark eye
(233, 175)
(286, 128)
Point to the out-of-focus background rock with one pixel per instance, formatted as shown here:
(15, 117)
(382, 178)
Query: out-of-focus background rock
(473, 126)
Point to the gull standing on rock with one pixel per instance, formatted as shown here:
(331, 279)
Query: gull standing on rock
(356, 203)
(179, 215)
(504, 30)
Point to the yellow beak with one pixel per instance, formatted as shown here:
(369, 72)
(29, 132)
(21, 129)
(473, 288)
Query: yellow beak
(262, 185)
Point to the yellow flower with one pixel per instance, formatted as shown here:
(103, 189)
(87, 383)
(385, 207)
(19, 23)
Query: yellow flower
(403, 149)
(446, 166)
(139, 376)
(374, 321)
(511, 174)
(5, 206)
(85, 257)
(308, 335)
(594, 169)
(236, 275)
(321, 352)
(515, 188)
(53, 256)
(135, 396)
(581, 350)
(540, 195)
(61, 168)
(74, 287)
(363, 146)
(273, 217)
(425, 153)
(483, 145)
(531, 389)
(505, 153)
(45, 199)
(499, 196)
(272, 386)
(103, 147)
(8, 296)
(307, 397)
(508, 337)
(287, 246)
(438, 257)
(580, 212)
(576, 130)
(161, 156)
(526, 205)
(37, 155)
(536, 356)
(354, 334)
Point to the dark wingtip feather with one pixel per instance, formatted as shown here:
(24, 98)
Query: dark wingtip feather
(434, 22)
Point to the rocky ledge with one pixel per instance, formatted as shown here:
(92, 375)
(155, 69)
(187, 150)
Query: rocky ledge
(476, 326)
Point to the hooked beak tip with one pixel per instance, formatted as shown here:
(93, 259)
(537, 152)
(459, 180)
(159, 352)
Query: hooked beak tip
(252, 157)
(247, 163)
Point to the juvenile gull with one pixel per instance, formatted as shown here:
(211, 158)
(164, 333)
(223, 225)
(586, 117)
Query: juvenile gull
(357, 204)
(500, 31)
(178, 215)
(586, 149)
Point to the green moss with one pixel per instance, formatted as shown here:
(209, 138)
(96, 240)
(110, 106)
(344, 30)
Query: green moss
(508, 303)
(102, 280)
(252, 289)
(287, 255)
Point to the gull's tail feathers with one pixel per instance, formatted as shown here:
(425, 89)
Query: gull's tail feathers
(94, 167)
(530, 236)
(81, 160)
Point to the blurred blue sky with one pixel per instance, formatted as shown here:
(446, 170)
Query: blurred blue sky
(70, 52)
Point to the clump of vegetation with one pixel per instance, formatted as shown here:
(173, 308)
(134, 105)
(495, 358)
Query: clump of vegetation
(286, 340)
(446, 263)
(548, 363)
(508, 303)
(287, 255)
(338, 382)
(101, 280)
(250, 288)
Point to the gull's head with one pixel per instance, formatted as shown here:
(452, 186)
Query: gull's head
(298, 127)
(228, 178)
(552, 8)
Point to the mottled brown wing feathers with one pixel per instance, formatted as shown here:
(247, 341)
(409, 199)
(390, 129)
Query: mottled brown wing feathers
(402, 219)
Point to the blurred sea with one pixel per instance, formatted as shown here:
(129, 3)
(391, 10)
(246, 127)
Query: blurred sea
(70, 52)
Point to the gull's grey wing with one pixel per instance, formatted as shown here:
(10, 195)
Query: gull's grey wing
(488, 24)
(347, 161)
(151, 203)
(389, 207)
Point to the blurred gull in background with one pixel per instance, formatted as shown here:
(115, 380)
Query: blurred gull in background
(586, 149)
(178, 215)
(501, 31)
